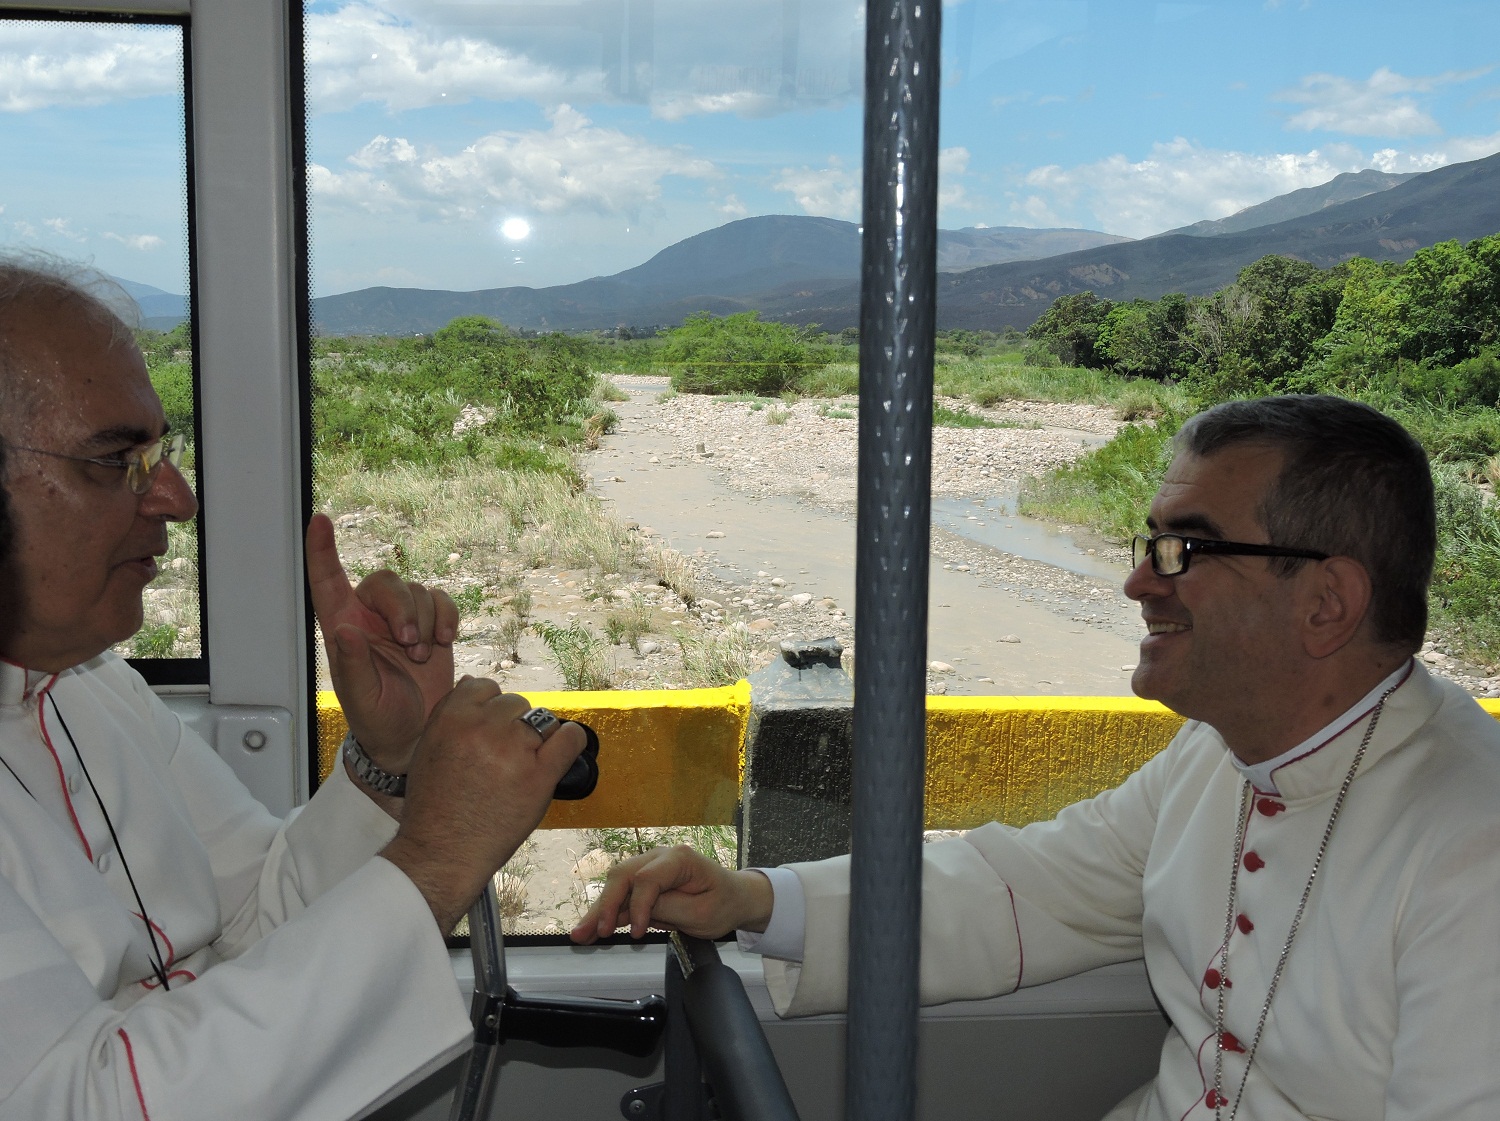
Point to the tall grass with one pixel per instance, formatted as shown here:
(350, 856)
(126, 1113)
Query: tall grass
(471, 507)
(716, 659)
(991, 379)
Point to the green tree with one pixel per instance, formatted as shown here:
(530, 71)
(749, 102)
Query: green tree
(1448, 294)
(740, 354)
(1296, 304)
(1070, 327)
(1145, 338)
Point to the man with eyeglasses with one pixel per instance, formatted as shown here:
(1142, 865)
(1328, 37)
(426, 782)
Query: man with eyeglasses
(167, 947)
(1311, 869)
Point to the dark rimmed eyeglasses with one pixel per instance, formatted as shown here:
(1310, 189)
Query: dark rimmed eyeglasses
(1170, 553)
(139, 464)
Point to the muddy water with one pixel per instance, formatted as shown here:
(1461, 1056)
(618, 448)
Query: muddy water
(970, 613)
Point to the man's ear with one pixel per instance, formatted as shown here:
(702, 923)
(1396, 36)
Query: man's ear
(1339, 590)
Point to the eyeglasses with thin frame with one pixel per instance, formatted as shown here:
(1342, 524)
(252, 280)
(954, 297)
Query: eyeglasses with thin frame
(140, 465)
(1171, 553)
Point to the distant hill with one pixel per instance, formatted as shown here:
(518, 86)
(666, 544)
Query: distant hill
(1460, 201)
(154, 307)
(974, 246)
(1309, 200)
(749, 263)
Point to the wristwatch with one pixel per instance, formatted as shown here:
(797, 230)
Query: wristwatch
(380, 781)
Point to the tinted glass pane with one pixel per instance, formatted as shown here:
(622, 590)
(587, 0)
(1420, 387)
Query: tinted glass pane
(93, 127)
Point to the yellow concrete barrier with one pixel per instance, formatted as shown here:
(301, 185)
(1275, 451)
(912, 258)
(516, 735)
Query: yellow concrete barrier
(1021, 759)
(668, 756)
(674, 757)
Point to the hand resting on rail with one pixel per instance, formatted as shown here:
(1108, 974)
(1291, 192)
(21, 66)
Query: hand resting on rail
(678, 889)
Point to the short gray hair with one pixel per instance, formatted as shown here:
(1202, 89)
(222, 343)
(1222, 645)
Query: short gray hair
(30, 280)
(1354, 483)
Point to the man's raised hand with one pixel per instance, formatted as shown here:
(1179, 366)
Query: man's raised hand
(390, 648)
(678, 889)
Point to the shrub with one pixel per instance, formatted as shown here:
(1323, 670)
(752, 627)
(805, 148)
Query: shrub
(157, 640)
(1472, 382)
(578, 653)
(740, 354)
(1109, 489)
(392, 401)
(1466, 577)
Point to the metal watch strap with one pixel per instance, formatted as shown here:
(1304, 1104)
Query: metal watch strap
(380, 781)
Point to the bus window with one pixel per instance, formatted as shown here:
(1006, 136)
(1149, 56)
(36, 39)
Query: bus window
(506, 198)
(93, 123)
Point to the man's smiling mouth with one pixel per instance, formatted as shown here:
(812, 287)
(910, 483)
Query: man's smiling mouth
(1166, 628)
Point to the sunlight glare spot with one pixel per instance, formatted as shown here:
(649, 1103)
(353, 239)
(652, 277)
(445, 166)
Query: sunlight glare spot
(516, 229)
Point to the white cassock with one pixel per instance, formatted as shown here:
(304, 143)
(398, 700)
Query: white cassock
(1389, 1005)
(307, 975)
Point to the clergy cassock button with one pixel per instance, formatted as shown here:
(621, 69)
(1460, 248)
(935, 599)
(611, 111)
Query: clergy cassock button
(1269, 806)
(1253, 862)
(75, 782)
(103, 862)
(1244, 924)
(1213, 1099)
(1212, 978)
(1231, 1042)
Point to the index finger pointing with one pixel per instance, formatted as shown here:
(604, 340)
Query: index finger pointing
(326, 578)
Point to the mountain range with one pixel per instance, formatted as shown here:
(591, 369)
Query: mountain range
(751, 263)
(802, 269)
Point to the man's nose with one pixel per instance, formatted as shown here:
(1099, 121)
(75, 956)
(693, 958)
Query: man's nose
(1143, 581)
(169, 496)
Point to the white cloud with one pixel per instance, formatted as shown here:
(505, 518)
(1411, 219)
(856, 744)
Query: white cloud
(1178, 183)
(360, 53)
(63, 228)
(142, 242)
(674, 106)
(1380, 105)
(953, 163)
(573, 166)
(732, 206)
(1181, 182)
(45, 64)
(830, 192)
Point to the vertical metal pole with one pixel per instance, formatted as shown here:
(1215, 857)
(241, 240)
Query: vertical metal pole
(897, 323)
(475, 1093)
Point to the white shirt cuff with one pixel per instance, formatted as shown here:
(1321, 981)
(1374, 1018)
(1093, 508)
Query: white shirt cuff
(785, 933)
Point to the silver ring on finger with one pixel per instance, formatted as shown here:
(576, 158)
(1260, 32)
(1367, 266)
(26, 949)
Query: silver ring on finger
(543, 720)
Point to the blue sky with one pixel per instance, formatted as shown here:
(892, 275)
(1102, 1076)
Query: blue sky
(434, 122)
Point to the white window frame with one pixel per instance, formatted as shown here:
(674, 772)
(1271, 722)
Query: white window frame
(251, 459)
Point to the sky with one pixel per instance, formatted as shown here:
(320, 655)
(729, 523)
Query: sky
(465, 144)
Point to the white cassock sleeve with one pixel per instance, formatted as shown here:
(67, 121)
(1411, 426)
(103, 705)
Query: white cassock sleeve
(1001, 907)
(320, 984)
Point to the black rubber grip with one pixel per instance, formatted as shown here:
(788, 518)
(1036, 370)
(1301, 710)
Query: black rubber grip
(583, 775)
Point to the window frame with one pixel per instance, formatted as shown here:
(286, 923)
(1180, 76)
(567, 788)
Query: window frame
(247, 223)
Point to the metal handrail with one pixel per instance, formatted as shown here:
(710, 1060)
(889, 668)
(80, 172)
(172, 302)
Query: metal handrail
(898, 311)
(747, 1084)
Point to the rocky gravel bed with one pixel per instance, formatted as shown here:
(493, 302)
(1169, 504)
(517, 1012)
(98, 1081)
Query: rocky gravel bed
(809, 448)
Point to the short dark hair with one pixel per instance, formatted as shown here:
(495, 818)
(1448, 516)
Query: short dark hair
(1354, 483)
